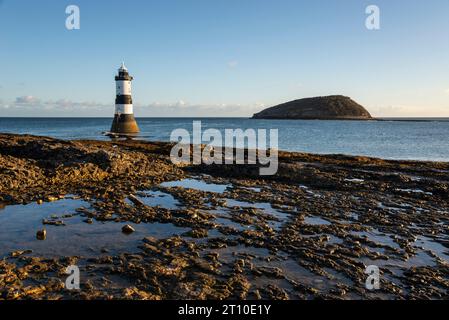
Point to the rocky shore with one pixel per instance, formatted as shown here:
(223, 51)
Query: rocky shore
(140, 227)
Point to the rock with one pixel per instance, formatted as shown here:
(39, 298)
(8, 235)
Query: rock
(128, 229)
(312, 290)
(18, 253)
(136, 200)
(196, 233)
(53, 222)
(150, 240)
(257, 295)
(151, 248)
(41, 234)
(318, 108)
(134, 293)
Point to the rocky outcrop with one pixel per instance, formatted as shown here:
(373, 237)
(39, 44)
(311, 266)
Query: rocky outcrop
(40, 167)
(263, 237)
(318, 108)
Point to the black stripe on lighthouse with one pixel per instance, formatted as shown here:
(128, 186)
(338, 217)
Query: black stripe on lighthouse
(123, 99)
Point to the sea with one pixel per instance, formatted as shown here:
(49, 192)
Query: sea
(401, 139)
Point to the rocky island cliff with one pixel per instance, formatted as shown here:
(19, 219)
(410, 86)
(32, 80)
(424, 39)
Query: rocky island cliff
(335, 107)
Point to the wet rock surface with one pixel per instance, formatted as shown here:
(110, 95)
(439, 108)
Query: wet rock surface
(217, 232)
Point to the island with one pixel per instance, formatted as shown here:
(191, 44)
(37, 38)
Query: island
(336, 107)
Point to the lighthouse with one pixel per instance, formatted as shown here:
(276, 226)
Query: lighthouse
(124, 122)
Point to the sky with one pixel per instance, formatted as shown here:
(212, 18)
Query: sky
(223, 57)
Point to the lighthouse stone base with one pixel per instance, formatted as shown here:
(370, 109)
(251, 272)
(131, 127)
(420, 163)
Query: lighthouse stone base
(124, 124)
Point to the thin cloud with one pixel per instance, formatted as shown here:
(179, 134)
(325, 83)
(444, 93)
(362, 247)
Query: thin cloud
(233, 64)
(410, 111)
(25, 100)
(157, 109)
(32, 106)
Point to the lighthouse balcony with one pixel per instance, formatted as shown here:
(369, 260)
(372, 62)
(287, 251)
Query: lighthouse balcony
(126, 77)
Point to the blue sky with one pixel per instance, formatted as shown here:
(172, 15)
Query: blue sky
(223, 58)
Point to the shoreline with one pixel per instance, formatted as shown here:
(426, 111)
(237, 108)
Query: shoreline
(221, 231)
(141, 138)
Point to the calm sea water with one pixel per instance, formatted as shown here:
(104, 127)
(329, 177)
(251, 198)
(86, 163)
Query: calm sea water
(418, 140)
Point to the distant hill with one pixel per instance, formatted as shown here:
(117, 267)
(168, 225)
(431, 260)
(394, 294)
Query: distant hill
(319, 108)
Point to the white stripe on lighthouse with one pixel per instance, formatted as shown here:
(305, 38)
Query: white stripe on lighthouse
(124, 108)
(123, 88)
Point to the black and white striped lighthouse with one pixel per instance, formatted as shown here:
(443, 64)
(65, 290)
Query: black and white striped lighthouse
(124, 122)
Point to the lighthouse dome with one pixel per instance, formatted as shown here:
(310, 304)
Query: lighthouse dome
(123, 67)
